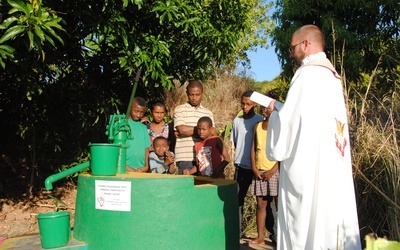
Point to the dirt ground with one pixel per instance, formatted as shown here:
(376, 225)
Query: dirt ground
(18, 218)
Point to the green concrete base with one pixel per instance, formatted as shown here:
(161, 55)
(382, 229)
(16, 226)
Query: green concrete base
(32, 242)
(165, 212)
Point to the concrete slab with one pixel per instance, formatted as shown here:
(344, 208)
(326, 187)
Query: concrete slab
(32, 242)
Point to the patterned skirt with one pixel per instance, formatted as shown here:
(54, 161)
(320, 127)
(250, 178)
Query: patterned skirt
(265, 187)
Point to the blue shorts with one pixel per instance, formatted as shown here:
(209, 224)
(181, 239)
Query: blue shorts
(184, 165)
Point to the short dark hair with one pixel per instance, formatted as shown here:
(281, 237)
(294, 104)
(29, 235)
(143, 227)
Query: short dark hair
(140, 101)
(160, 138)
(194, 84)
(159, 104)
(247, 93)
(206, 119)
(272, 94)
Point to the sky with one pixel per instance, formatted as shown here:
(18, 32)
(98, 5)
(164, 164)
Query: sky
(264, 64)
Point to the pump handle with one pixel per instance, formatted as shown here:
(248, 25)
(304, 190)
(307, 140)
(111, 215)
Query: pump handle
(137, 77)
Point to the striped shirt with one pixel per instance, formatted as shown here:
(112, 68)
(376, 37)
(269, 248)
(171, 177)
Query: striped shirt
(188, 115)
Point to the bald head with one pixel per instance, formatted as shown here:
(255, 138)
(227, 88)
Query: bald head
(313, 35)
(306, 40)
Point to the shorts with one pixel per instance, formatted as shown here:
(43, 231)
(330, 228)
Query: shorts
(265, 187)
(185, 165)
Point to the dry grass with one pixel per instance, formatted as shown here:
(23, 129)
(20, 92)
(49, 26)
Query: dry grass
(376, 161)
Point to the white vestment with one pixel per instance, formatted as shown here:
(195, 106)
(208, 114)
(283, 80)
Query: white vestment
(309, 135)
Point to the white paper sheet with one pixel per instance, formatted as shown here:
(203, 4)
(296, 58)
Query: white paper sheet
(264, 100)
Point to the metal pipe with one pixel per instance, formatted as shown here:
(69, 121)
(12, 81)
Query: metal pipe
(48, 183)
(128, 110)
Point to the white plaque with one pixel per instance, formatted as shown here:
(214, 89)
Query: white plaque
(113, 195)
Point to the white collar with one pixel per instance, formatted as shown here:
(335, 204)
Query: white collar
(309, 57)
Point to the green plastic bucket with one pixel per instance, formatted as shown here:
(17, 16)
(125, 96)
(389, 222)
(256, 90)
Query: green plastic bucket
(104, 158)
(54, 229)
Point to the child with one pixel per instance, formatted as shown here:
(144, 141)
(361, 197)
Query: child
(161, 160)
(211, 155)
(241, 136)
(138, 151)
(158, 127)
(266, 176)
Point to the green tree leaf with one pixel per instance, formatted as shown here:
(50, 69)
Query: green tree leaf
(19, 6)
(12, 33)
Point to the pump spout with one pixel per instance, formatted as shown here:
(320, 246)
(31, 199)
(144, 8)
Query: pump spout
(48, 183)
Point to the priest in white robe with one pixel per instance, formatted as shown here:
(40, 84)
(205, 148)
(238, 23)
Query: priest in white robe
(309, 136)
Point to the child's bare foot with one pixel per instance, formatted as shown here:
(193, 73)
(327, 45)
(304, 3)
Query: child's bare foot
(258, 241)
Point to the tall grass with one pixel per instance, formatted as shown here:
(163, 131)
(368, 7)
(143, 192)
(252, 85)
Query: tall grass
(376, 161)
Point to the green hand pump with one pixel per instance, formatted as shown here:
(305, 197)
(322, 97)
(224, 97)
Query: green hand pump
(118, 129)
